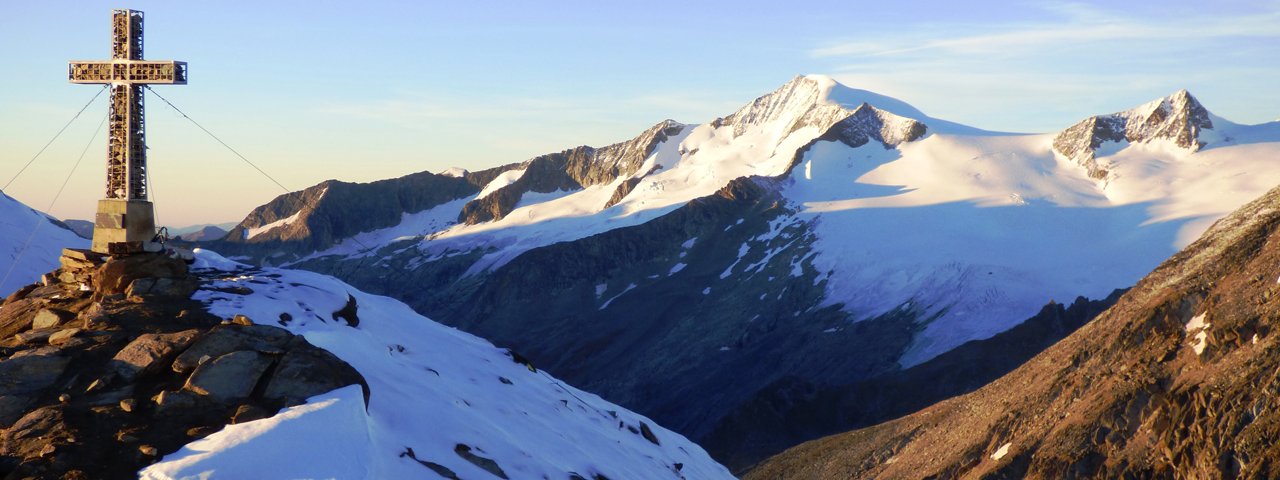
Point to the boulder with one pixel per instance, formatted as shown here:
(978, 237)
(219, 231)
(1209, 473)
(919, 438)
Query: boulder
(229, 377)
(174, 402)
(151, 352)
(63, 336)
(50, 317)
(35, 335)
(24, 376)
(143, 288)
(94, 317)
(306, 371)
(229, 338)
(116, 274)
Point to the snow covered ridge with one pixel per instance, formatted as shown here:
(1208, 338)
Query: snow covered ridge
(442, 402)
(18, 223)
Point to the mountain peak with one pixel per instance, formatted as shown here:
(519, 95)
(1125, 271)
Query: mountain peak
(818, 101)
(1178, 118)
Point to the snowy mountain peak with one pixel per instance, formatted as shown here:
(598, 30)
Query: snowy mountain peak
(1178, 118)
(813, 100)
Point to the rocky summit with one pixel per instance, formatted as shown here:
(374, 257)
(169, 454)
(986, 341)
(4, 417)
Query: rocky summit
(1180, 379)
(108, 365)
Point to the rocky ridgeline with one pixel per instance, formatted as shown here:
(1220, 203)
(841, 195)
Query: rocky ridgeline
(1178, 118)
(574, 169)
(107, 365)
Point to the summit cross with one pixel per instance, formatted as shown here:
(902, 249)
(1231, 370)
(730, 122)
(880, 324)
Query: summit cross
(125, 222)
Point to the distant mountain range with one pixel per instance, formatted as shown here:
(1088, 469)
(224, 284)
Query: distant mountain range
(192, 233)
(724, 277)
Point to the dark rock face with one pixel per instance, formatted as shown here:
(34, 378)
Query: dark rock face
(110, 384)
(793, 409)
(1177, 380)
(1178, 118)
(570, 170)
(206, 234)
(334, 210)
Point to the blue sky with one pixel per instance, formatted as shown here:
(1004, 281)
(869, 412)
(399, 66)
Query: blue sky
(360, 91)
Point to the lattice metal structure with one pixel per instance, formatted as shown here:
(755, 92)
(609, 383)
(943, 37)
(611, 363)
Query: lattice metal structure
(127, 73)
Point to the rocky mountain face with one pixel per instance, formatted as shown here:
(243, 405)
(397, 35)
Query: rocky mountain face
(1178, 118)
(754, 276)
(319, 216)
(206, 234)
(1178, 379)
(569, 171)
(109, 365)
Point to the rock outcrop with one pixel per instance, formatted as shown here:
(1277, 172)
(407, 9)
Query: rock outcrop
(1177, 380)
(571, 170)
(319, 216)
(1178, 118)
(99, 378)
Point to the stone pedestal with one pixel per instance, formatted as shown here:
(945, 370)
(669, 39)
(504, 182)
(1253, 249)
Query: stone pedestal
(130, 223)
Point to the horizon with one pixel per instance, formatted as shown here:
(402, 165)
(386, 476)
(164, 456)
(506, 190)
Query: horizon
(481, 88)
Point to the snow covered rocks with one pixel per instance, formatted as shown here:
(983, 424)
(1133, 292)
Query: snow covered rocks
(97, 385)
(441, 402)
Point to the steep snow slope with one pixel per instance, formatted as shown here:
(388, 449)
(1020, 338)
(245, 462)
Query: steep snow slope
(440, 401)
(18, 223)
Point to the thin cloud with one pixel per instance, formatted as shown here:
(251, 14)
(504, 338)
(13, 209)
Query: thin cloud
(1081, 24)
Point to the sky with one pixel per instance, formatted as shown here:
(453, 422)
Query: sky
(361, 91)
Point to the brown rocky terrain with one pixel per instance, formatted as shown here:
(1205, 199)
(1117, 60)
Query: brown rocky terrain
(1180, 379)
(107, 365)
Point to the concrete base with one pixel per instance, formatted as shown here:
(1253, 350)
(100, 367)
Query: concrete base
(124, 222)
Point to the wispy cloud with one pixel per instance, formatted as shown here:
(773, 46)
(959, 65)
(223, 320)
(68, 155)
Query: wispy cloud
(1075, 23)
(1071, 60)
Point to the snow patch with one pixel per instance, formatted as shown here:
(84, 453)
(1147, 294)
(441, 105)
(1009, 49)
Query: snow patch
(629, 288)
(1002, 451)
(503, 179)
(283, 222)
(1201, 332)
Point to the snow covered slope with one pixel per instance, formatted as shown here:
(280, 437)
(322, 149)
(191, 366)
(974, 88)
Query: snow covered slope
(18, 223)
(442, 402)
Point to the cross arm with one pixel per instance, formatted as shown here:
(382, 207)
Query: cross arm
(128, 71)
